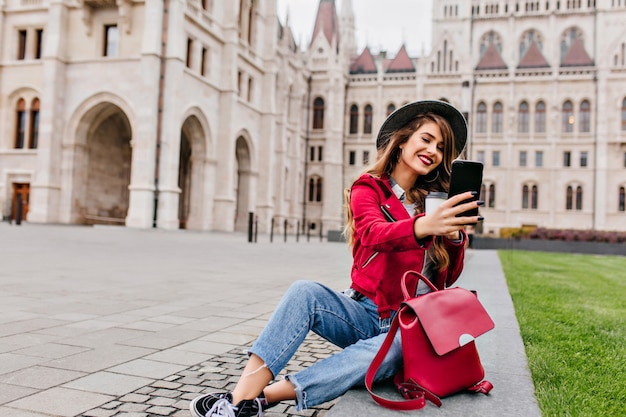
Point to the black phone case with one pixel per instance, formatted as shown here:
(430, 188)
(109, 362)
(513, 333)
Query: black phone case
(466, 176)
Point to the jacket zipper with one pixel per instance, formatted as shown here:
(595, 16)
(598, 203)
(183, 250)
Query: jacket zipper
(368, 260)
(386, 213)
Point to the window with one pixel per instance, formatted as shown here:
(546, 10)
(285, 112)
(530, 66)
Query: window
(318, 113)
(567, 117)
(189, 52)
(38, 43)
(585, 117)
(391, 108)
(538, 159)
(367, 120)
(312, 153)
(319, 152)
(315, 189)
(567, 159)
(530, 197)
(352, 158)
(203, 61)
(110, 40)
(583, 159)
(522, 117)
(522, 158)
(624, 115)
(366, 157)
(33, 134)
(579, 198)
(496, 125)
(481, 118)
(622, 199)
(495, 158)
(20, 124)
(250, 89)
(491, 201)
(540, 117)
(354, 118)
(480, 156)
(21, 44)
(569, 196)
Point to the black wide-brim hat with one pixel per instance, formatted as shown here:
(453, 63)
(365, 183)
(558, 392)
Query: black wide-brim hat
(408, 112)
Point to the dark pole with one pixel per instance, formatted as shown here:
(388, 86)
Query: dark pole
(18, 214)
(250, 226)
(306, 151)
(285, 229)
(272, 231)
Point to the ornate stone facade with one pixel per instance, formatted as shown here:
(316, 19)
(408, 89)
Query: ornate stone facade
(195, 113)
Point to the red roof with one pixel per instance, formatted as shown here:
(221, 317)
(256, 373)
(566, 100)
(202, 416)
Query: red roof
(327, 21)
(364, 64)
(533, 58)
(491, 59)
(576, 56)
(402, 62)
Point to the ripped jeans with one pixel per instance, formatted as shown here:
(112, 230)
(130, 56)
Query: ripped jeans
(350, 324)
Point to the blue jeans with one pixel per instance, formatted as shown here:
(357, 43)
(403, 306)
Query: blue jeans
(350, 324)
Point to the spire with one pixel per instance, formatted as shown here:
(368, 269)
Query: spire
(326, 21)
(402, 62)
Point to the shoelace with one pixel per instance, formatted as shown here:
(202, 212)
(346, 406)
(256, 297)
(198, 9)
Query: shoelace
(224, 408)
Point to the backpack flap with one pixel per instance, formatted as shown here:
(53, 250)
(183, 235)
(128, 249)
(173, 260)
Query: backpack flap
(451, 318)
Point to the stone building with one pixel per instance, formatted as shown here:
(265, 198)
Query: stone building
(195, 113)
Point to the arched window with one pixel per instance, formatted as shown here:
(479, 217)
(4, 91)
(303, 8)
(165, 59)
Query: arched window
(318, 113)
(534, 198)
(315, 189)
(391, 108)
(354, 118)
(569, 198)
(621, 206)
(496, 122)
(33, 135)
(491, 202)
(483, 192)
(522, 117)
(567, 117)
(367, 119)
(481, 118)
(20, 124)
(579, 198)
(525, 197)
(624, 115)
(584, 124)
(540, 117)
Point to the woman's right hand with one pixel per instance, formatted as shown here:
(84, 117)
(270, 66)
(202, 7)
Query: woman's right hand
(443, 221)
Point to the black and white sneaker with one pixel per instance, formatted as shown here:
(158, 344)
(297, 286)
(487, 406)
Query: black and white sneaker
(220, 405)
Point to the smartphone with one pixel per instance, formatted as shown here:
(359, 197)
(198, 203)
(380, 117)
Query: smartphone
(466, 176)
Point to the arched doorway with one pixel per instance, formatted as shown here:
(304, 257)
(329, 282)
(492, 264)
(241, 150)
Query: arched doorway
(102, 166)
(191, 174)
(242, 184)
(184, 180)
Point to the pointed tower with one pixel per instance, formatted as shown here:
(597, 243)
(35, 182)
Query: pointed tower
(347, 29)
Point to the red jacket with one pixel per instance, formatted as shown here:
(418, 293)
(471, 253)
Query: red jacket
(385, 246)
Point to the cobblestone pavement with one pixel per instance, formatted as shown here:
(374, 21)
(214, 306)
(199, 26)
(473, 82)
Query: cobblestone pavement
(170, 396)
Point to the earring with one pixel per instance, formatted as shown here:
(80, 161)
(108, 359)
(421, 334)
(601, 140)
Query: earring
(433, 180)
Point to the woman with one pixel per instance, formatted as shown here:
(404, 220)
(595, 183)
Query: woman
(389, 234)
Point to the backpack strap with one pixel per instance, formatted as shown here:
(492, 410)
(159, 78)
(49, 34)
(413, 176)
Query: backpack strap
(416, 399)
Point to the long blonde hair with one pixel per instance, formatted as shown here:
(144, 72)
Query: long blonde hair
(385, 163)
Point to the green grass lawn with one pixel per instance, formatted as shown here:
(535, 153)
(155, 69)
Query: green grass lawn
(572, 314)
